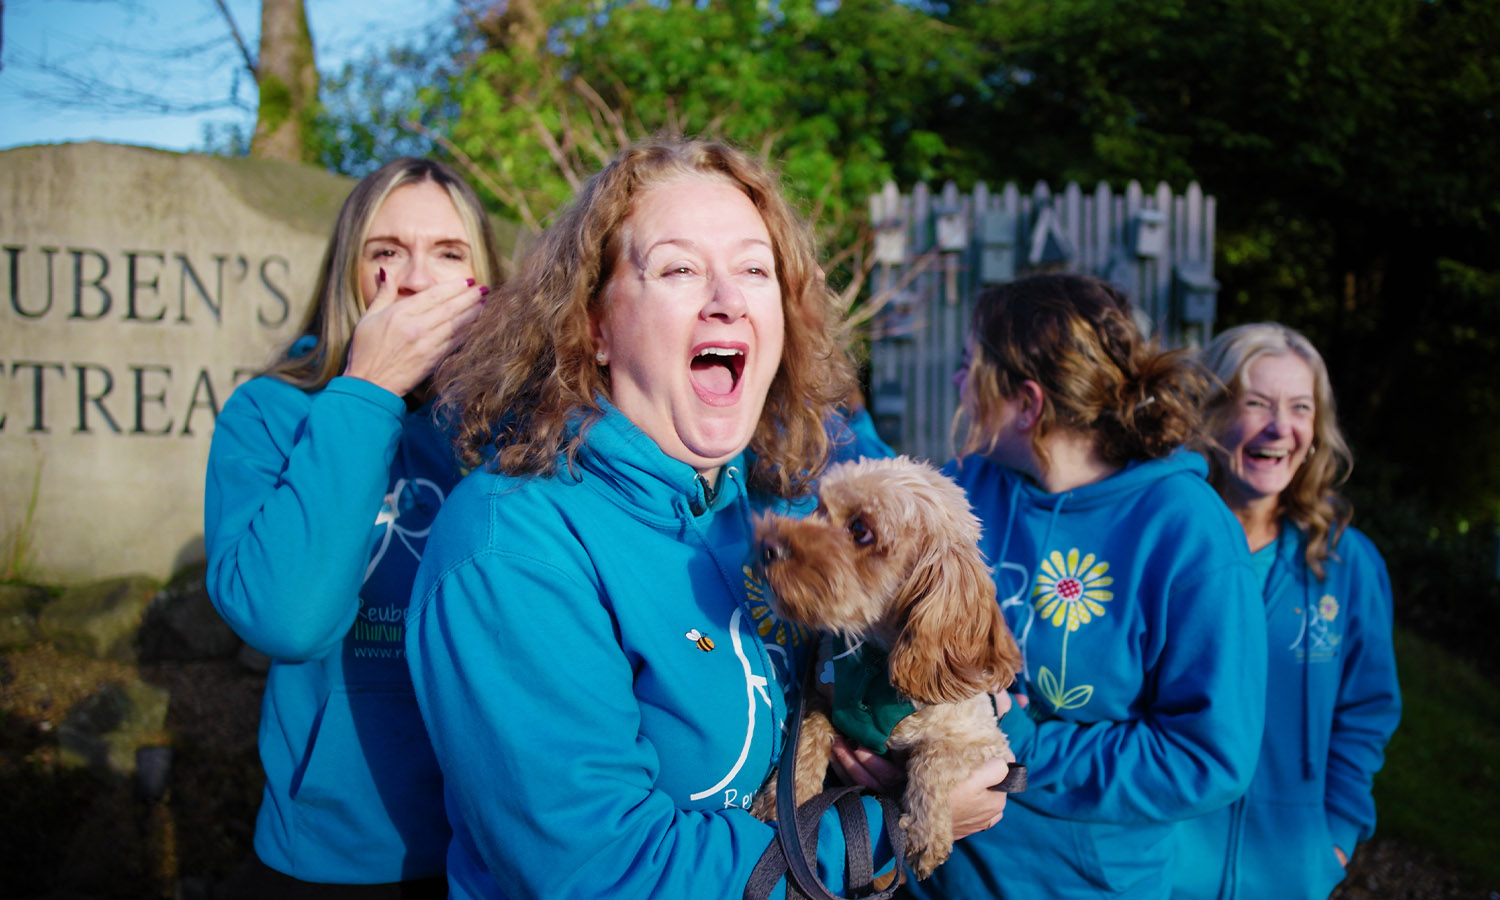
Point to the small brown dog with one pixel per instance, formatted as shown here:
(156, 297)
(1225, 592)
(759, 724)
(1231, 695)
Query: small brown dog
(889, 562)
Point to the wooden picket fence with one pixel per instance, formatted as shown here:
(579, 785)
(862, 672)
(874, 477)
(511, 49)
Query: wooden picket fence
(934, 253)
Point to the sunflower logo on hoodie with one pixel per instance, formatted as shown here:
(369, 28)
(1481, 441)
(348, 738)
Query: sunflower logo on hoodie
(1070, 593)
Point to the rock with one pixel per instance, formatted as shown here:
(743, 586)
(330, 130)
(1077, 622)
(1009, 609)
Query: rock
(104, 731)
(101, 619)
(19, 605)
(182, 624)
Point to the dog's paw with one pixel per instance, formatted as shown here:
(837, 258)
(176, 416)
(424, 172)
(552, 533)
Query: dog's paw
(924, 851)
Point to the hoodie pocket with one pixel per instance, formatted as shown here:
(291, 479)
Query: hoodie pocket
(1287, 848)
(371, 795)
(1118, 858)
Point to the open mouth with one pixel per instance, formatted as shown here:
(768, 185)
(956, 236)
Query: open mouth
(1266, 454)
(716, 371)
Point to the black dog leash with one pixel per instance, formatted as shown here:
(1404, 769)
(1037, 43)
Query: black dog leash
(797, 836)
(797, 832)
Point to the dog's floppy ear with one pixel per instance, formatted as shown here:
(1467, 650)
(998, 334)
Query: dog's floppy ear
(954, 642)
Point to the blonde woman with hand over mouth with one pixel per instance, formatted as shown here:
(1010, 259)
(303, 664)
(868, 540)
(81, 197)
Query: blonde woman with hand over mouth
(324, 476)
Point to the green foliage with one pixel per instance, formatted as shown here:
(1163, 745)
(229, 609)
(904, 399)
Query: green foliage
(835, 99)
(1445, 569)
(275, 103)
(1353, 147)
(371, 112)
(1441, 779)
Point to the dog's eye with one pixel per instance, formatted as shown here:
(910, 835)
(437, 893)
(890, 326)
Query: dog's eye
(861, 532)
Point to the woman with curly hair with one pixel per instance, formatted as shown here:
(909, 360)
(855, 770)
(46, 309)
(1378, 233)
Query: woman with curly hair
(598, 665)
(1126, 583)
(1276, 457)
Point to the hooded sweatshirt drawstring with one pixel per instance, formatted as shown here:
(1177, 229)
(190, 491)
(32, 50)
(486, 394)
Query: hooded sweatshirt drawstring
(1307, 613)
(1036, 567)
(1010, 526)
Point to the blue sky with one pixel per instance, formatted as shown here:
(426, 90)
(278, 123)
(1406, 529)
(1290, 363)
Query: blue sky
(174, 50)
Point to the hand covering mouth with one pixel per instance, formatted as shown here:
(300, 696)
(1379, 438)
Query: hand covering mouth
(717, 370)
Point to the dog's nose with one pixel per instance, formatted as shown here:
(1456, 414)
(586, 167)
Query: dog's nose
(772, 551)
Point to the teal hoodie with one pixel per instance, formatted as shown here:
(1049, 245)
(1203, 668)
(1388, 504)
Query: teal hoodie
(1136, 610)
(316, 510)
(1332, 702)
(603, 679)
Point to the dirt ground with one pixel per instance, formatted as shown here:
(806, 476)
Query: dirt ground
(69, 835)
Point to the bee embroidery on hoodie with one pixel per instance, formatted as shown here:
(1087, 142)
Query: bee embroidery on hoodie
(705, 643)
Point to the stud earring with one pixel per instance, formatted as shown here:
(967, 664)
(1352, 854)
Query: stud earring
(600, 358)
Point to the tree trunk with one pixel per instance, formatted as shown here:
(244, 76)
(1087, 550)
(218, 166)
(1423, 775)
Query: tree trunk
(288, 82)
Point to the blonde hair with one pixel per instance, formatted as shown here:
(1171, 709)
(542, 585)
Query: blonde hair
(1311, 499)
(525, 381)
(1073, 336)
(336, 304)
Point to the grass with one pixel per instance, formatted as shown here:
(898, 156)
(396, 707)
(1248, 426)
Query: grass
(19, 544)
(1440, 788)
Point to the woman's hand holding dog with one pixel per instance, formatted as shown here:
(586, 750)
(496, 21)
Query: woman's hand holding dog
(975, 806)
(862, 766)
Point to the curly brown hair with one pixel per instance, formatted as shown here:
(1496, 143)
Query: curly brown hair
(1073, 336)
(1311, 499)
(525, 381)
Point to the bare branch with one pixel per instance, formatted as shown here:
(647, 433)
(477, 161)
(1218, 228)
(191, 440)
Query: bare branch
(239, 40)
(549, 143)
(822, 198)
(81, 91)
(112, 77)
(883, 297)
(856, 248)
(586, 90)
(601, 149)
(511, 198)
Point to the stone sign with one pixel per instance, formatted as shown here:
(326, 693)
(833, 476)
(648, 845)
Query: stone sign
(138, 287)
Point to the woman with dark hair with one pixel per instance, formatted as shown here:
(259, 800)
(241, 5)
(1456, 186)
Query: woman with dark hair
(1276, 456)
(1126, 583)
(324, 476)
(598, 664)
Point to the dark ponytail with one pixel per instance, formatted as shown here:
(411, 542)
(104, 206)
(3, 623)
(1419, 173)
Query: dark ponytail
(1074, 336)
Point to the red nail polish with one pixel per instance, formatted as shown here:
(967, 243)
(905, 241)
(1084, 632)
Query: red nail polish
(483, 290)
(471, 283)
(380, 277)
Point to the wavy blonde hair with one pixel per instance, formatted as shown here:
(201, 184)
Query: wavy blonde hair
(525, 380)
(336, 305)
(1073, 336)
(1311, 499)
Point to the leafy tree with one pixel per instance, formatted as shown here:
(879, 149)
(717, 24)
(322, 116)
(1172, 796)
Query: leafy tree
(371, 110)
(832, 96)
(1352, 145)
(1355, 152)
